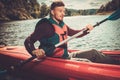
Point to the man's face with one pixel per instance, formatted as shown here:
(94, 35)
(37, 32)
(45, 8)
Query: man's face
(58, 13)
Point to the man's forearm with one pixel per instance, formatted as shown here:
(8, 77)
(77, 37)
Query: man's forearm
(29, 45)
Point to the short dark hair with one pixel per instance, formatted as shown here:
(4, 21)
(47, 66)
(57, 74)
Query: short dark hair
(56, 4)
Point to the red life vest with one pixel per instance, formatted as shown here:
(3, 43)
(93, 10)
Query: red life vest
(62, 33)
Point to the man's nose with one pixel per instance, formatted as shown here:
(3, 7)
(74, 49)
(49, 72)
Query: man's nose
(63, 13)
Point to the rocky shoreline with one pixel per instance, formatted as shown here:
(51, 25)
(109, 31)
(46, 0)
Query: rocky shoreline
(31, 9)
(109, 7)
(18, 9)
(105, 13)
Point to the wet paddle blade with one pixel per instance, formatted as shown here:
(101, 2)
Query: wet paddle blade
(115, 15)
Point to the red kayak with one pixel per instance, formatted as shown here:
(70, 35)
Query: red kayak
(60, 68)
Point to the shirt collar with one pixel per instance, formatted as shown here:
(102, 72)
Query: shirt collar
(61, 24)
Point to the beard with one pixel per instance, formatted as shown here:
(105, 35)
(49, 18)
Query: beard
(59, 19)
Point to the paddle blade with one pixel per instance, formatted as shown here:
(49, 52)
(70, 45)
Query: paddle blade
(115, 15)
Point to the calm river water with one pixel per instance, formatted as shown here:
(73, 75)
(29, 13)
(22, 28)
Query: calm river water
(104, 37)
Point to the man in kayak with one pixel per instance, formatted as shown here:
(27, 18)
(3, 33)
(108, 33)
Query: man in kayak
(50, 31)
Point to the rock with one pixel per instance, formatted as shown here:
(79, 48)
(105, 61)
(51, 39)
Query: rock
(110, 6)
(18, 9)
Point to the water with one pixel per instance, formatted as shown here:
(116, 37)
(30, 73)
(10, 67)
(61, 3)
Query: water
(104, 37)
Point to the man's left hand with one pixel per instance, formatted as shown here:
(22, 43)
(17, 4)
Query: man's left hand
(90, 27)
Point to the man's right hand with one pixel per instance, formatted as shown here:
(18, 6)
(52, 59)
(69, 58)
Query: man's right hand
(39, 53)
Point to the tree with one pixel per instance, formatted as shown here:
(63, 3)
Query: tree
(44, 10)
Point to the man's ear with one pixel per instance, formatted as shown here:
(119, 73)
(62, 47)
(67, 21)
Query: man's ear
(52, 12)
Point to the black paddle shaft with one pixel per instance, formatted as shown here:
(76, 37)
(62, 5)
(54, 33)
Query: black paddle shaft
(98, 23)
(22, 63)
(84, 32)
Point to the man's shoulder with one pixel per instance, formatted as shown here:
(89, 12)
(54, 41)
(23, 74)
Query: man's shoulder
(43, 20)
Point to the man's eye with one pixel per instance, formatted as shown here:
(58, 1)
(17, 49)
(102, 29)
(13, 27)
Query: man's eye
(62, 11)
